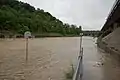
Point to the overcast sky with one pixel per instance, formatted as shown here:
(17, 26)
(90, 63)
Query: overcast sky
(90, 14)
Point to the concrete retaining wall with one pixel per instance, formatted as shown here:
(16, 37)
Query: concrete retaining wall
(111, 42)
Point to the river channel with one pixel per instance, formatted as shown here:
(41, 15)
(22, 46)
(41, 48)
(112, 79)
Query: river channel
(51, 58)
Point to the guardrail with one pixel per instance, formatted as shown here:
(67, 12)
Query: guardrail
(79, 69)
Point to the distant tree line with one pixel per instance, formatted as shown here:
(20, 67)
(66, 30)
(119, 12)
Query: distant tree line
(16, 17)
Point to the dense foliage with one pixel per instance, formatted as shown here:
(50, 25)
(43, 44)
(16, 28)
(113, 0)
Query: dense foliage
(16, 17)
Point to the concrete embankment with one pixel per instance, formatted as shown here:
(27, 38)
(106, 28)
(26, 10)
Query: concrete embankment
(111, 42)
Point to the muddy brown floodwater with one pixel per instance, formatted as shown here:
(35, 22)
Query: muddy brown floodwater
(51, 58)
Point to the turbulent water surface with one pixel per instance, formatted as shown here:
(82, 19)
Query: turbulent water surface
(48, 58)
(51, 58)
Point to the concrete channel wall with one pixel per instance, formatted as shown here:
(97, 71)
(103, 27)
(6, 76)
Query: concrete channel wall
(111, 42)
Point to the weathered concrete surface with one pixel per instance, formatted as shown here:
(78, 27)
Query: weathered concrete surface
(99, 65)
(111, 42)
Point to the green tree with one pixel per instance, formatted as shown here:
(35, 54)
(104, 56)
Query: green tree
(17, 17)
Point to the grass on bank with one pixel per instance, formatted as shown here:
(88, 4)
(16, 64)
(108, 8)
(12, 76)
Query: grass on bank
(69, 74)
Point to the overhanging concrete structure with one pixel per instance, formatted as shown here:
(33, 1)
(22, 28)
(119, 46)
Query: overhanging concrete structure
(113, 20)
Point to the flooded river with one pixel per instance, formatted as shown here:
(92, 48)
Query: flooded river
(51, 58)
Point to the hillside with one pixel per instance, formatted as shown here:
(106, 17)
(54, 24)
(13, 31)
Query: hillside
(16, 17)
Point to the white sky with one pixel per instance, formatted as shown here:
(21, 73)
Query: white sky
(90, 14)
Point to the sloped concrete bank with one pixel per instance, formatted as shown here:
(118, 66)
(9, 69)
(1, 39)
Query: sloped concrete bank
(111, 42)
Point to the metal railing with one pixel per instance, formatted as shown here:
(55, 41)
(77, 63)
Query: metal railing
(79, 69)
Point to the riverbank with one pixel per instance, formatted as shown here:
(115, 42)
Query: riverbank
(98, 64)
(38, 35)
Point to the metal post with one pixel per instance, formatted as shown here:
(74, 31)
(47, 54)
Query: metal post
(79, 68)
(80, 44)
(27, 34)
(26, 49)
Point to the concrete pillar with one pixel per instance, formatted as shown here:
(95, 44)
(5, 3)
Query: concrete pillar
(110, 29)
(115, 25)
